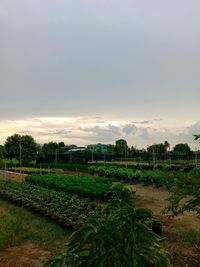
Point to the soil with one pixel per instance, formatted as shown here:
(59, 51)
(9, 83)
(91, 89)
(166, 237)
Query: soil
(19, 177)
(29, 254)
(2, 212)
(182, 254)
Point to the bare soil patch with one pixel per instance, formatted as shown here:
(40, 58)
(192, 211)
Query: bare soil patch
(29, 254)
(2, 211)
(182, 254)
(19, 177)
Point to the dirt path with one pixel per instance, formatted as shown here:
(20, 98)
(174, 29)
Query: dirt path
(183, 254)
(8, 175)
(29, 254)
(155, 199)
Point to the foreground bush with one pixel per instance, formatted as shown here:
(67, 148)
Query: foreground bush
(122, 239)
(185, 194)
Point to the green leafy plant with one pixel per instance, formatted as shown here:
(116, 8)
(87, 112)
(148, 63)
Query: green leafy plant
(185, 194)
(120, 240)
(82, 184)
(67, 209)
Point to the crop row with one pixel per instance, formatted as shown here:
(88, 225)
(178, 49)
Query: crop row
(176, 166)
(157, 178)
(82, 185)
(70, 166)
(28, 170)
(71, 211)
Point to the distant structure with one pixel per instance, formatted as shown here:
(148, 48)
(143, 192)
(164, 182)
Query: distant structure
(73, 148)
(102, 148)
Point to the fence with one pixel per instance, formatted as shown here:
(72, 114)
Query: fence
(140, 157)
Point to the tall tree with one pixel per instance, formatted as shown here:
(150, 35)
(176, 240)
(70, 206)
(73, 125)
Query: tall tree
(182, 149)
(2, 151)
(157, 148)
(61, 146)
(121, 147)
(50, 148)
(28, 148)
(167, 145)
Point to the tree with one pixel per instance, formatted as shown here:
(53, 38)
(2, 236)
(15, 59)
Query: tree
(50, 148)
(167, 145)
(121, 147)
(61, 146)
(28, 148)
(12, 146)
(157, 148)
(2, 152)
(185, 195)
(196, 136)
(182, 149)
(111, 148)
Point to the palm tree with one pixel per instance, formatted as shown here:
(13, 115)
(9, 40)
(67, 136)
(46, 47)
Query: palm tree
(167, 145)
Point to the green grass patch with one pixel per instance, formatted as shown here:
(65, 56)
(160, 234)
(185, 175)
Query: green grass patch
(190, 236)
(18, 225)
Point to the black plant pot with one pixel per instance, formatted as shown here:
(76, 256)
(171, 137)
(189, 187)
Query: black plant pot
(157, 228)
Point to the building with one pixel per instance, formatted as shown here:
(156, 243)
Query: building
(99, 148)
(73, 148)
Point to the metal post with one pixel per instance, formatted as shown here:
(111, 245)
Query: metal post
(92, 155)
(20, 155)
(154, 159)
(170, 159)
(5, 172)
(56, 156)
(126, 155)
(196, 158)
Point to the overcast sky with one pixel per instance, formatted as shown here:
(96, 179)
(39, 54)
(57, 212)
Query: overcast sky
(94, 71)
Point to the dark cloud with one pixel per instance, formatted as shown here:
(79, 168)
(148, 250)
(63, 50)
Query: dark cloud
(48, 133)
(129, 129)
(103, 134)
(142, 122)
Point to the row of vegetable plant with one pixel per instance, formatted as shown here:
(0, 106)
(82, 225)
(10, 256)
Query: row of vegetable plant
(69, 210)
(70, 166)
(157, 178)
(150, 166)
(81, 184)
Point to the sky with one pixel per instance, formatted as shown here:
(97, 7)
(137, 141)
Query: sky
(95, 71)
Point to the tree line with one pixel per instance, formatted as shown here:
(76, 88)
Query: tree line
(25, 150)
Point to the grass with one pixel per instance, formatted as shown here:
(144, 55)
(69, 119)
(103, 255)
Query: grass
(18, 225)
(189, 235)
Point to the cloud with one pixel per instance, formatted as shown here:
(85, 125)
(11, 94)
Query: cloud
(85, 130)
(186, 136)
(129, 129)
(107, 133)
(142, 122)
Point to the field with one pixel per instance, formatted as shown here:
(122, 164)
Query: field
(40, 213)
(182, 232)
